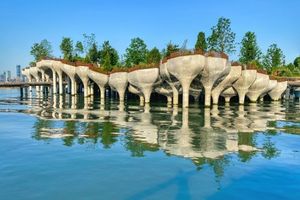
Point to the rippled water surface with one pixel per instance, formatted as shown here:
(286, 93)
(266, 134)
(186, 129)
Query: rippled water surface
(71, 148)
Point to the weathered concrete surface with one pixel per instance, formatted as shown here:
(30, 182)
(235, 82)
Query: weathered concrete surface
(171, 80)
(71, 73)
(82, 72)
(234, 74)
(118, 81)
(101, 80)
(185, 69)
(243, 83)
(214, 69)
(258, 87)
(277, 92)
(165, 91)
(136, 91)
(271, 86)
(144, 79)
(228, 94)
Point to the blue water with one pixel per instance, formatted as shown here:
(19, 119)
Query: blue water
(50, 149)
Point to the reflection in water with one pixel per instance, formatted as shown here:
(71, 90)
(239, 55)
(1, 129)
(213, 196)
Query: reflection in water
(206, 136)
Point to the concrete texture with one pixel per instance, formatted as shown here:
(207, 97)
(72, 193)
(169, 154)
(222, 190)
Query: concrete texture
(214, 69)
(277, 91)
(258, 87)
(144, 80)
(101, 80)
(118, 81)
(243, 84)
(185, 69)
(234, 74)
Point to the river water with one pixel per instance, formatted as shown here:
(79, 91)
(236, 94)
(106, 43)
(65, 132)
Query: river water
(70, 148)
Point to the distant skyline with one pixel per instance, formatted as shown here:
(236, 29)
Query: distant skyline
(24, 22)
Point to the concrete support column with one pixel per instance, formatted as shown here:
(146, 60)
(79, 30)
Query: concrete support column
(54, 82)
(147, 93)
(121, 95)
(60, 82)
(169, 99)
(185, 92)
(175, 95)
(207, 94)
(142, 100)
(227, 99)
(73, 86)
(242, 94)
(85, 87)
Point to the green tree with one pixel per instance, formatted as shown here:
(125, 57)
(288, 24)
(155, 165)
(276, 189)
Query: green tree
(106, 62)
(79, 48)
(153, 56)
(274, 58)
(171, 48)
(88, 42)
(250, 51)
(66, 48)
(136, 53)
(201, 43)
(222, 38)
(93, 54)
(41, 50)
(107, 51)
(297, 62)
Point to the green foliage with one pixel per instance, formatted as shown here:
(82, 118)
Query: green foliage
(92, 55)
(108, 56)
(88, 42)
(153, 56)
(66, 48)
(107, 66)
(171, 48)
(41, 50)
(136, 53)
(201, 43)
(297, 62)
(79, 48)
(249, 51)
(274, 58)
(222, 38)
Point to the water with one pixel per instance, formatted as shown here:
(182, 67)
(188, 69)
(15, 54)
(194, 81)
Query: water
(60, 149)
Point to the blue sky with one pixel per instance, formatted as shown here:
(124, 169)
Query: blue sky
(24, 22)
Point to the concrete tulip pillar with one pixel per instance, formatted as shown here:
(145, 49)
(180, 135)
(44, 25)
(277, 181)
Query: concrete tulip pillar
(243, 83)
(258, 87)
(277, 92)
(70, 71)
(118, 81)
(134, 90)
(57, 66)
(101, 80)
(166, 76)
(234, 74)
(144, 80)
(214, 69)
(271, 86)
(185, 69)
(82, 72)
(228, 94)
(167, 92)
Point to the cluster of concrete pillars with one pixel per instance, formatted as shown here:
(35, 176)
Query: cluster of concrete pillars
(214, 75)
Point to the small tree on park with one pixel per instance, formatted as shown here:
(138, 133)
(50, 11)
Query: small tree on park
(201, 43)
(222, 38)
(136, 53)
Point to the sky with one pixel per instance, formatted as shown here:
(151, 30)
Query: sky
(157, 22)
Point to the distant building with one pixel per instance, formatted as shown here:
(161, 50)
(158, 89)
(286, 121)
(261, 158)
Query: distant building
(18, 72)
(3, 77)
(8, 76)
